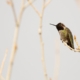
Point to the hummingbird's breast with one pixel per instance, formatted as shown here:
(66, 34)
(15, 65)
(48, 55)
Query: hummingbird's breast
(63, 35)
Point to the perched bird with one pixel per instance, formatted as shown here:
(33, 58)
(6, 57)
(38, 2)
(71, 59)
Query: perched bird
(65, 34)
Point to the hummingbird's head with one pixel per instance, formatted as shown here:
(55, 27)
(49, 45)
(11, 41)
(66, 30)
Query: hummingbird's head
(59, 26)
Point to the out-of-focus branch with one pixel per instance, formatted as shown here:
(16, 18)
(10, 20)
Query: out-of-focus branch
(40, 34)
(2, 78)
(30, 2)
(46, 4)
(10, 2)
(42, 43)
(50, 79)
(76, 42)
(3, 62)
(14, 46)
(78, 2)
(27, 4)
(57, 61)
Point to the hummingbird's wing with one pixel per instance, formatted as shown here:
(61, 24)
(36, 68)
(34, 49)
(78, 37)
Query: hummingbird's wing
(67, 37)
(63, 35)
(70, 38)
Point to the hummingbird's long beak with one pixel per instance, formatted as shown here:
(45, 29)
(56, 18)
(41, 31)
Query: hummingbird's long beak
(52, 24)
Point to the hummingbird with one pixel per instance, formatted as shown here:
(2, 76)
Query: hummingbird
(65, 34)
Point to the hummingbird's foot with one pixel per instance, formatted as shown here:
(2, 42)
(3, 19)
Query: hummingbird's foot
(70, 48)
(65, 41)
(62, 41)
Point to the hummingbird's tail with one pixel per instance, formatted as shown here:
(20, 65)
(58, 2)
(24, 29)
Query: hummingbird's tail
(71, 44)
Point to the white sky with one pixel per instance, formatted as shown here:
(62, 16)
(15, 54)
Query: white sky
(27, 64)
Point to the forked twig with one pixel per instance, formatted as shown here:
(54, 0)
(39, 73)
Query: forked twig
(40, 33)
(76, 42)
(30, 2)
(27, 4)
(2, 64)
(46, 4)
(14, 46)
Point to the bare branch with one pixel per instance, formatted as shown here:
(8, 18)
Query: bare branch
(47, 3)
(76, 42)
(14, 13)
(42, 43)
(3, 62)
(20, 13)
(2, 78)
(75, 50)
(30, 2)
(14, 46)
(42, 50)
(27, 4)
(78, 3)
(42, 9)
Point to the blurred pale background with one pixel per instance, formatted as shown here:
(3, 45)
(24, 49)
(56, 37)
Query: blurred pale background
(27, 64)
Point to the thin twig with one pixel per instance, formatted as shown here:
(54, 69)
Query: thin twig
(30, 2)
(14, 46)
(46, 4)
(40, 35)
(20, 13)
(12, 5)
(27, 4)
(78, 3)
(76, 42)
(42, 43)
(3, 62)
